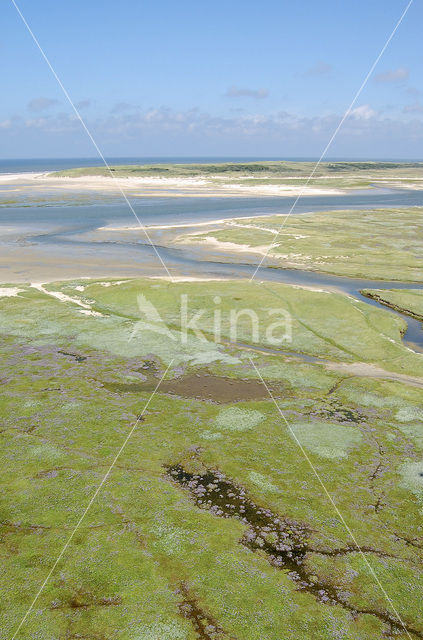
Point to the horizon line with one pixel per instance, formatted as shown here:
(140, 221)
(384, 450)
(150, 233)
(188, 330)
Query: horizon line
(230, 158)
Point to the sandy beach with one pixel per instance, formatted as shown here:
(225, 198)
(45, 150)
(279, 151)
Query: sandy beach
(157, 186)
(40, 183)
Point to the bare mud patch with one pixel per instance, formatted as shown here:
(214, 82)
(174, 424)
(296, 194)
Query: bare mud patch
(205, 626)
(200, 386)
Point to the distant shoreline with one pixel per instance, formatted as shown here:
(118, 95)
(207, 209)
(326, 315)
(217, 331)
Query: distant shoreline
(158, 186)
(222, 179)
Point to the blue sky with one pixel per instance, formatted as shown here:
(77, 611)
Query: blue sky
(269, 78)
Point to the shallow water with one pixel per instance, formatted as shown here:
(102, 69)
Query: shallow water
(44, 241)
(156, 210)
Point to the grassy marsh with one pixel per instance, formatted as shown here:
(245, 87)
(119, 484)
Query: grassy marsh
(379, 244)
(155, 561)
(406, 301)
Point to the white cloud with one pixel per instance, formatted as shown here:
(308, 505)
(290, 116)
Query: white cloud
(194, 122)
(363, 112)
(160, 131)
(396, 76)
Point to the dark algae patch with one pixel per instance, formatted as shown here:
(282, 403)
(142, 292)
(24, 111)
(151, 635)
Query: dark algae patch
(76, 356)
(333, 410)
(284, 541)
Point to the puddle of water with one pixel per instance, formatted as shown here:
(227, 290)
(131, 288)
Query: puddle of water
(284, 541)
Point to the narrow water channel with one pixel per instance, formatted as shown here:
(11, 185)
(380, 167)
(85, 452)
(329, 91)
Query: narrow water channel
(413, 337)
(55, 231)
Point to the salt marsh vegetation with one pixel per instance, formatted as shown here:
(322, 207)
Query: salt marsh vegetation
(211, 510)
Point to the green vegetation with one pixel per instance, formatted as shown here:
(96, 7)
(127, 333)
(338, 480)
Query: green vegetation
(383, 244)
(153, 560)
(328, 174)
(326, 439)
(316, 324)
(407, 301)
(29, 198)
(412, 478)
(212, 524)
(271, 168)
(236, 419)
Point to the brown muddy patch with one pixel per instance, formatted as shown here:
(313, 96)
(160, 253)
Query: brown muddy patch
(83, 599)
(284, 541)
(200, 386)
(203, 623)
(215, 388)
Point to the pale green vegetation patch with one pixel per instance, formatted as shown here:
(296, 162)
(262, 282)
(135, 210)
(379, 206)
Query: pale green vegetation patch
(414, 431)
(170, 538)
(326, 439)
(412, 478)
(409, 301)
(46, 453)
(141, 317)
(162, 631)
(402, 402)
(305, 321)
(262, 482)
(408, 414)
(383, 244)
(211, 435)
(237, 419)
